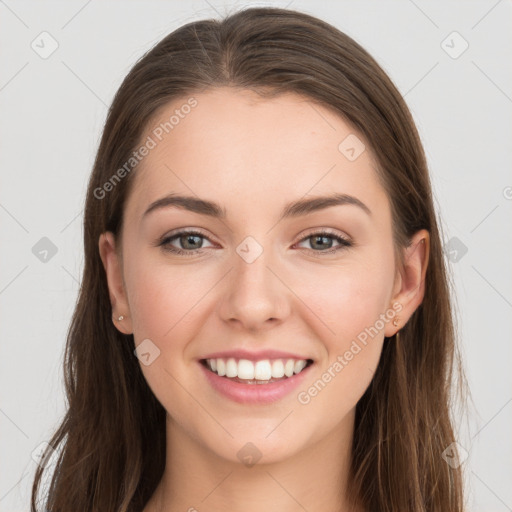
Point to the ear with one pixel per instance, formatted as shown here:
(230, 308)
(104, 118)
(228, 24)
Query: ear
(409, 288)
(113, 269)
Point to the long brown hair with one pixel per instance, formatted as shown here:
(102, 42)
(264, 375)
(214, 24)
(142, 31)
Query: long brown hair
(111, 441)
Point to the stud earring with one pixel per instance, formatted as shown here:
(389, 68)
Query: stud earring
(395, 322)
(120, 318)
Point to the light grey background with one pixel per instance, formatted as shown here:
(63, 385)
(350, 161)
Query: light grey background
(52, 113)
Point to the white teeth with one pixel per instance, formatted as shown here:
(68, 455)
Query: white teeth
(277, 369)
(245, 369)
(288, 367)
(231, 368)
(262, 371)
(299, 366)
(221, 367)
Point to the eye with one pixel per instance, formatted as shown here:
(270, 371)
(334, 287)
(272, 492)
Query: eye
(322, 242)
(190, 242)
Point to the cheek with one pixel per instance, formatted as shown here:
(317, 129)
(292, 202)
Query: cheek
(165, 301)
(153, 303)
(347, 299)
(163, 298)
(352, 300)
(353, 303)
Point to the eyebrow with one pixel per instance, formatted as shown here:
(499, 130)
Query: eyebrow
(293, 209)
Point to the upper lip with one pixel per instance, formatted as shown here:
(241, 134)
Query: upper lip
(254, 356)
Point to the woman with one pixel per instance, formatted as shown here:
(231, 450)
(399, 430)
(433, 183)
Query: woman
(264, 321)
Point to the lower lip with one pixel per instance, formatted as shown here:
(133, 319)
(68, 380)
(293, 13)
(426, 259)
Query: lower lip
(254, 393)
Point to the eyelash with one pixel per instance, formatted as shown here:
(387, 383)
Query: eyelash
(164, 242)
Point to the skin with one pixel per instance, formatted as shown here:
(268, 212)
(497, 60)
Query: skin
(253, 156)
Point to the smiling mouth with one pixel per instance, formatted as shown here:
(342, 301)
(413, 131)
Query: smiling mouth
(265, 371)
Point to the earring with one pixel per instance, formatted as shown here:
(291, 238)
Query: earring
(395, 322)
(120, 319)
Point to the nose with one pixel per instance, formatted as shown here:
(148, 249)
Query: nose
(255, 296)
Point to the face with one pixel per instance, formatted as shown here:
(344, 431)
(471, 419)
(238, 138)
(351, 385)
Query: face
(263, 282)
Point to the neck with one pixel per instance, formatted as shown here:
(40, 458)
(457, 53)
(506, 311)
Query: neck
(315, 479)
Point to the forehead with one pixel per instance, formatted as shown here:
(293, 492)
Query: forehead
(241, 149)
